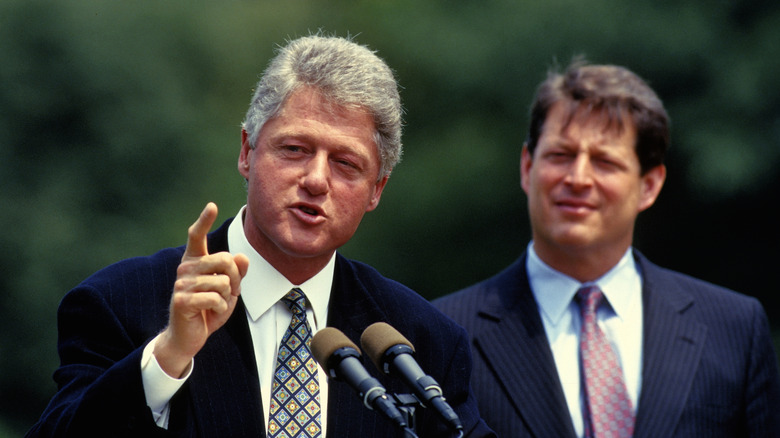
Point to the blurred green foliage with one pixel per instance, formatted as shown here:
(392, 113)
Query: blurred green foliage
(120, 120)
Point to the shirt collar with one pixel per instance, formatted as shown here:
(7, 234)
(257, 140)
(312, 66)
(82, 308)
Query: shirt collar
(555, 290)
(263, 286)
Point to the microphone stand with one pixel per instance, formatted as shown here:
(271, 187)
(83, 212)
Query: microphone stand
(407, 403)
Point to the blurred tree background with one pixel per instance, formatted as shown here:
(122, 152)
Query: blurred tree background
(120, 120)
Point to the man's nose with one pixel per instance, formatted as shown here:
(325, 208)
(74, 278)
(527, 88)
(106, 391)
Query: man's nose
(579, 174)
(317, 173)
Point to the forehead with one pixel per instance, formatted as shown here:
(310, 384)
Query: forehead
(308, 101)
(577, 122)
(306, 113)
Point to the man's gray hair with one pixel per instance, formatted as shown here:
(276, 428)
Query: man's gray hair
(346, 73)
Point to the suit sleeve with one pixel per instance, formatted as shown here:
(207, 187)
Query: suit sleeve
(763, 381)
(100, 391)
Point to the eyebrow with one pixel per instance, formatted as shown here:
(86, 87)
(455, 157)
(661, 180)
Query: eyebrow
(307, 138)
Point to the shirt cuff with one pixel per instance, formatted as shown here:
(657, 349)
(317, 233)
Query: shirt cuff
(159, 387)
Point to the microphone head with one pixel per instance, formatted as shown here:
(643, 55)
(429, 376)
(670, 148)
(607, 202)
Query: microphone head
(378, 338)
(326, 341)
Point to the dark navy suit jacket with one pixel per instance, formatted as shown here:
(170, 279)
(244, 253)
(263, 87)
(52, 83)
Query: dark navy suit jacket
(708, 368)
(105, 322)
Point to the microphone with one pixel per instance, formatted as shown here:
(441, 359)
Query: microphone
(340, 357)
(392, 353)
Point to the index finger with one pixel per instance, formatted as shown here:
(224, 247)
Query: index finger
(196, 235)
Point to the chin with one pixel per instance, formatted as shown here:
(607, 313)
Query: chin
(572, 235)
(574, 242)
(305, 250)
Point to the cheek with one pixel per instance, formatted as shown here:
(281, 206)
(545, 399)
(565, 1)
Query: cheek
(623, 197)
(542, 184)
(263, 189)
(352, 203)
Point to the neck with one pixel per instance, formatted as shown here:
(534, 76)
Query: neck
(298, 270)
(582, 265)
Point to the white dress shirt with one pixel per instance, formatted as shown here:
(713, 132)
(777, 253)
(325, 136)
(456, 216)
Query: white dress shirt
(261, 290)
(621, 322)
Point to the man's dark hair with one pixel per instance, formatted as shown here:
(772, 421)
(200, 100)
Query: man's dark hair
(613, 90)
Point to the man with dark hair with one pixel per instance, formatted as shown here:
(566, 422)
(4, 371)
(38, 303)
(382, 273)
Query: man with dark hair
(212, 339)
(582, 336)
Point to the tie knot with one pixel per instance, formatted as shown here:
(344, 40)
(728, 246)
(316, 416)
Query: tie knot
(296, 301)
(589, 298)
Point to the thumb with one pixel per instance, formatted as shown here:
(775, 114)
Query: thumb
(242, 263)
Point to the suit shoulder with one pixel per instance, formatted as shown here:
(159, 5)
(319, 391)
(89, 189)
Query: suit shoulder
(662, 277)
(371, 279)
(496, 289)
(399, 303)
(150, 266)
(122, 288)
(708, 300)
(465, 298)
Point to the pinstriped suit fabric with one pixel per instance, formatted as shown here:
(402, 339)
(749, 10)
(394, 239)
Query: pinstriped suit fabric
(105, 322)
(709, 368)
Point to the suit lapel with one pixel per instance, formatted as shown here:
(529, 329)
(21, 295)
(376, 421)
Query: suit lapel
(224, 385)
(516, 347)
(351, 307)
(351, 310)
(672, 348)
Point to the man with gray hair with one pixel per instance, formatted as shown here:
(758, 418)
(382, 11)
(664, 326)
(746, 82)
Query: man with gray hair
(212, 339)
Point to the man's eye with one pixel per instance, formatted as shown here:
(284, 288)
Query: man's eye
(292, 151)
(557, 155)
(608, 162)
(346, 163)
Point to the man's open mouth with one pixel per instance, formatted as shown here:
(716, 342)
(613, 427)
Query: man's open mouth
(309, 211)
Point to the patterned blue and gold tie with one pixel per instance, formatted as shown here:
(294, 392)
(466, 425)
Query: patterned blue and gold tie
(295, 394)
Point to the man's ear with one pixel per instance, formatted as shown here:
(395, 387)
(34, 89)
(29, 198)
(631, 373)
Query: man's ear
(243, 156)
(378, 188)
(652, 182)
(526, 160)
